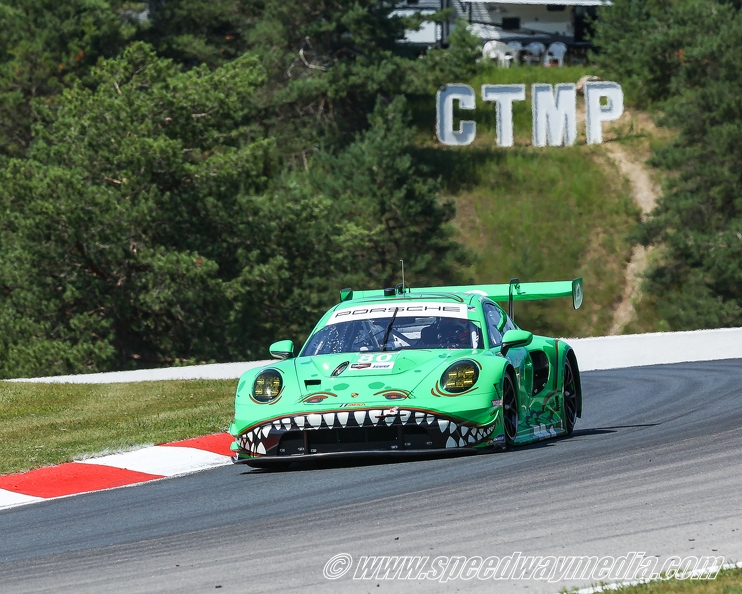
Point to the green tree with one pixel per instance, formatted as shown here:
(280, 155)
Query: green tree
(194, 32)
(698, 223)
(46, 46)
(129, 209)
(376, 181)
(454, 63)
(152, 223)
(663, 49)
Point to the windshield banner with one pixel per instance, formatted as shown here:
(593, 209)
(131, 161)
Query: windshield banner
(441, 310)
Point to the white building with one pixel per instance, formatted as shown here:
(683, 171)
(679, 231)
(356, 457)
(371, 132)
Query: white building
(508, 20)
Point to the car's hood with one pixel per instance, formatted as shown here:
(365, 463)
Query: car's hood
(405, 380)
(399, 370)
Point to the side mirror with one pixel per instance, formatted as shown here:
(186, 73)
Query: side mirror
(515, 338)
(283, 349)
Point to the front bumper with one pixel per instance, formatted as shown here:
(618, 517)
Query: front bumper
(392, 431)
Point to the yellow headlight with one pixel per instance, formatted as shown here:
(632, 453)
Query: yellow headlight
(460, 377)
(267, 386)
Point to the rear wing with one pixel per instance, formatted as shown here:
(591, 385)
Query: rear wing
(513, 291)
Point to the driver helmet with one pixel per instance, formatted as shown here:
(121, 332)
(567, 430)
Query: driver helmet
(454, 331)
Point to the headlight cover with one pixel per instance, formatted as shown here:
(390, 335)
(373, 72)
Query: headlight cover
(267, 387)
(460, 377)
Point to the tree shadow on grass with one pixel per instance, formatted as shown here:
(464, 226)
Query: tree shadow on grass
(459, 168)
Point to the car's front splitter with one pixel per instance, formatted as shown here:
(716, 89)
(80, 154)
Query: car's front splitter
(398, 455)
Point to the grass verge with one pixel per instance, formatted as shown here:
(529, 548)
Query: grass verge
(44, 424)
(728, 581)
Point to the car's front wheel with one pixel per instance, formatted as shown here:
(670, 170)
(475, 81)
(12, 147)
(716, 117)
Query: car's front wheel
(509, 410)
(569, 398)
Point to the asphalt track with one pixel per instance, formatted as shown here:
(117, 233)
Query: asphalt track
(654, 466)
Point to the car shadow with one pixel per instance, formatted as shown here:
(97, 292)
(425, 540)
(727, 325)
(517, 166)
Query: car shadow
(382, 458)
(359, 462)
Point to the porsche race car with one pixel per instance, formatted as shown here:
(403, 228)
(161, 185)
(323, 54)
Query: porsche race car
(411, 371)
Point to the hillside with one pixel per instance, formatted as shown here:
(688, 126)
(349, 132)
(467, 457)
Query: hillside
(552, 213)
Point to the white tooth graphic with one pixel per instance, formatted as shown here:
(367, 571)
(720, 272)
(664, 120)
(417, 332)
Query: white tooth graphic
(315, 420)
(329, 419)
(276, 424)
(261, 448)
(471, 438)
(360, 417)
(389, 420)
(451, 443)
(404, 415)
(429, 419)
(464, 430)
(462, 443)
(375, 416)
(343, 418)
(454, 426)
(419, 417)
(266, 430)
(286, 423)
(299, 422)
(442, 425)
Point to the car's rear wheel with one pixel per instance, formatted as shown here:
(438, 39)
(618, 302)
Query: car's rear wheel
(569, 398)
(509, 410)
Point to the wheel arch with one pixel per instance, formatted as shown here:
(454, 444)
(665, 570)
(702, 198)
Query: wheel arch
(572, 358)
(510, 371)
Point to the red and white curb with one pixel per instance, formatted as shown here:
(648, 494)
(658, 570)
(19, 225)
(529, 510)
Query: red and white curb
(115, 470)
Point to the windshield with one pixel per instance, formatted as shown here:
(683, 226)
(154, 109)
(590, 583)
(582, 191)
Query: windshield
(401, 332)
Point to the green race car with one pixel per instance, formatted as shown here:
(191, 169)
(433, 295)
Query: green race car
(410, 371)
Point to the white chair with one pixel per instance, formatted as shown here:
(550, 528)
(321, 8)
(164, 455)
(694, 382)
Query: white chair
(499, 51)
(533, 52)
(555, 54)
(516, 47)
(488, 50)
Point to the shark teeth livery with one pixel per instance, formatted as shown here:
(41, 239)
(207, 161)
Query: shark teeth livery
(442, 432)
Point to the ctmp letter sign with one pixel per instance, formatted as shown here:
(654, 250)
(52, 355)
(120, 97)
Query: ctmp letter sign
(554, 112)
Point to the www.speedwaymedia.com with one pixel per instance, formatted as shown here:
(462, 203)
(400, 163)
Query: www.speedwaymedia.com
(630, 567)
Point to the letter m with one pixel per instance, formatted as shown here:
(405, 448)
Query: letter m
(554, 115)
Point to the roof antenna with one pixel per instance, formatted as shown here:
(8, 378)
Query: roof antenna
(402, 276)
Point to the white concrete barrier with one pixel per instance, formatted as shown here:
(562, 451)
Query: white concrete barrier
(633, 350)
(603, 352)
(191, 372)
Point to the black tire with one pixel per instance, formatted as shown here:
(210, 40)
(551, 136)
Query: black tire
(569, 398)
(509, 411)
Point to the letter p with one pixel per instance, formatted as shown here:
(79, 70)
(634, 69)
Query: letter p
(597, 113)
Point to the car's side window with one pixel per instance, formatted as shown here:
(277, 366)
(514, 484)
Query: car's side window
(509, 325)
(493, 317)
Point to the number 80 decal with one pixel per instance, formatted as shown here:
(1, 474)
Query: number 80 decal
(383, 358)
